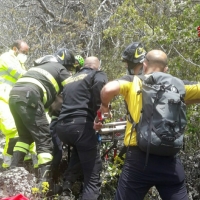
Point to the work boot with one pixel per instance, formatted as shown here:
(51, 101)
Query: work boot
(44, 173)
(45, 181)
(17, 159)
(67, 193)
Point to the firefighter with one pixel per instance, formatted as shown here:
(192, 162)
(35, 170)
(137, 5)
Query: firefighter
(11, 69)
(81, 100)
(54, 112)
(30, 96)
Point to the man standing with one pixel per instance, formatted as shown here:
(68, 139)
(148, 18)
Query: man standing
(11, 69)
(164, 172)
(81, 100)
(133, 57)
(30, 96)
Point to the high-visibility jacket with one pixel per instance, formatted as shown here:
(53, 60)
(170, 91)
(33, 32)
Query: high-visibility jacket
(10, 71)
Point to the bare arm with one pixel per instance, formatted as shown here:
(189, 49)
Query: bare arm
(108, 92)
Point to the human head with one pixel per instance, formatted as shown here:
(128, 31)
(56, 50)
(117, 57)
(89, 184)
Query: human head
(20, 49)
(65, 58)
(155, 61)
(79, 62)
(92, 62)
(133, 56)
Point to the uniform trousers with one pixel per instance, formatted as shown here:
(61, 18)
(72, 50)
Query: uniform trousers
(79, 133)
(165, 173)
(31, 122)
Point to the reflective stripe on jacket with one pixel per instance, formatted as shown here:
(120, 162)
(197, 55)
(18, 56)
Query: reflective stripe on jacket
(10, 71)
(48, 77)
(10, 68)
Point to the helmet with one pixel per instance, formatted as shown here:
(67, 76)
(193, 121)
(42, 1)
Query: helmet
(80, 60)
(65, 57)
(134, 53)
(45, 59)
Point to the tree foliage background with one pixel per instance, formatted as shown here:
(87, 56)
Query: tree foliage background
(103, 28)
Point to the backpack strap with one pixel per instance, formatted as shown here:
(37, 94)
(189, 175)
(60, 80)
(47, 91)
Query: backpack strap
(141, 77)
(129, 118)
(149, 137)
(150, 129)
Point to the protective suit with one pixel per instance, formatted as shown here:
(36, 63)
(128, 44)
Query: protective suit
(10, 71)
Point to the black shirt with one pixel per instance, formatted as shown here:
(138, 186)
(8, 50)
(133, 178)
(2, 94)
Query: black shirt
(57, 71)
(81, 94)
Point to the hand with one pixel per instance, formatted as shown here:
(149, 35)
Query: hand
(97, 126)
(105, 110)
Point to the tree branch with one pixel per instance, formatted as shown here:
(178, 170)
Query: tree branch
(46, 10)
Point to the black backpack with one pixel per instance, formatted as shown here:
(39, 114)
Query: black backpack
(163, 117)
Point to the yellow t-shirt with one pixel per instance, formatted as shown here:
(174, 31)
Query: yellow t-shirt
(129, 87)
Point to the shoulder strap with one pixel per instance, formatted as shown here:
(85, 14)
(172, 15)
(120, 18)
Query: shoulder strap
(129, 118)
(141, 77)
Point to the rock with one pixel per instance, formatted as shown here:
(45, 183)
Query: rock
(16, 181)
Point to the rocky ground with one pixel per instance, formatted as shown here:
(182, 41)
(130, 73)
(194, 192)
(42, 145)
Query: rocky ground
(16, 181)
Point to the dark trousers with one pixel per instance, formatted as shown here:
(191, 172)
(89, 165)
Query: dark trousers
(30, 118)
(165, 173)
(80, 134)
(57, 145)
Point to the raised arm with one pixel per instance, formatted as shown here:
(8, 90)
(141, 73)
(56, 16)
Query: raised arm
(108, 92)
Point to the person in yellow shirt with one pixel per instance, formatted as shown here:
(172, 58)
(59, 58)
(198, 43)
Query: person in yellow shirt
(11, 69)
(164, 172)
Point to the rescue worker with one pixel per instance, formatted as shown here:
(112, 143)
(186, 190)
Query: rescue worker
(54, 112)
(79, 62)
(135, 181)
(81, 100)
(11, 69)
(133, 57)
(30, 96)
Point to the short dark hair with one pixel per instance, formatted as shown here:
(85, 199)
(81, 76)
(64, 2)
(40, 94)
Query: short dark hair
(17, 43)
